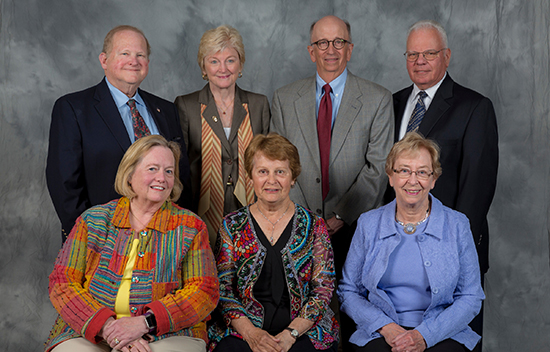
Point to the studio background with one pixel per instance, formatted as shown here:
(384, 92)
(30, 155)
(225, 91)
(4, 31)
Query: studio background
(499, 48)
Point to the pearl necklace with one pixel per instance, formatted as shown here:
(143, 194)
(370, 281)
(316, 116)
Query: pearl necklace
(410, 228)
(272, 223)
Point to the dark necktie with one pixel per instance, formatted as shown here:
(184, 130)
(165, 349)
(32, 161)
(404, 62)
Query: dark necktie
(140, 128)
(324, 127)
(418, 113)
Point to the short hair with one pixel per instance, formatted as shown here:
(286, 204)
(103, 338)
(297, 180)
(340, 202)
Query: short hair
(430, 24)
(135, 154)
(108, 41)
(274, 147)
(218, 39)
(412, 143)
(348, 27)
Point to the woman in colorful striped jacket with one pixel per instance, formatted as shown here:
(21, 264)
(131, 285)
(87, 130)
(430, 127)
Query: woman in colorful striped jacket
(136, 272)
(275, 264)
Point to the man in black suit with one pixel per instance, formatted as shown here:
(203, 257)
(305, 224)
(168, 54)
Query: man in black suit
(92, 129)
(464, 125)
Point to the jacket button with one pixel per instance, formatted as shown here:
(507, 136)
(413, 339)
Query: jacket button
(133, 309)
(319, 211)
(229, 161)
(135, 279)
(435, 290)
(318, 180)
(427, 263)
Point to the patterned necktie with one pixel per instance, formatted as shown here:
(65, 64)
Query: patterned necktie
(140, 128)
(324, 127)
(418, 113)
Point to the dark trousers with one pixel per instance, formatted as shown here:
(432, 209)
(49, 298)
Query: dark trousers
(477, 323)
(380, 345)
(235, 344)
(341, 241)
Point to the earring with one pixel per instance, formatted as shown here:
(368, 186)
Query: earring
(240, 74)
(205, 77)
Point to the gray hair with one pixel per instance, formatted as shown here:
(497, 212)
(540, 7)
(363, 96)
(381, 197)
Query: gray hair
(430, 24)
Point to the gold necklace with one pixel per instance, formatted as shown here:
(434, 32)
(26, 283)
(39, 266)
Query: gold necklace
(224, 110)
(272, 223)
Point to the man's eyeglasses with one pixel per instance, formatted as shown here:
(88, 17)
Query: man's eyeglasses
(420, 174)
(337, 43)
(429, 55)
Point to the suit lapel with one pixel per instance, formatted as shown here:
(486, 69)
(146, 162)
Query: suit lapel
(440, 104)
(239, 114)
(212, 117)
(349, 108)
(107, 109)
(306, 117)
(399, 104)
(157, 114)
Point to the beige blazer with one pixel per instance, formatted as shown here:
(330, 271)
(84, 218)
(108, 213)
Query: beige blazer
(362, 136)
(189, 108)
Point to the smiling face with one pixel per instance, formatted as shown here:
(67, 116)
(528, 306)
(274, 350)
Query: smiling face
(127, 63)
(330, 62)
(271, 179)
(424, 73)
(153, 178)
(412, 192)
(223, 68)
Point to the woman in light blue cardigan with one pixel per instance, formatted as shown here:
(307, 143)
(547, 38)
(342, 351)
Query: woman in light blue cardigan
(411, 281)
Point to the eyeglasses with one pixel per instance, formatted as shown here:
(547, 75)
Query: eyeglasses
(337, 43)
(429, 55)
(420, 174)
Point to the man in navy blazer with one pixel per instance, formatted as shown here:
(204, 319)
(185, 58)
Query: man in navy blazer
(92, 129)
(462, 122)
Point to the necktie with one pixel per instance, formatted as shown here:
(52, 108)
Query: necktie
(324, 127)
(418, 112)
(140, 128)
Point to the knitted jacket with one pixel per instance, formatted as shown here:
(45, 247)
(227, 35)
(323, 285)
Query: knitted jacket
(174, 273)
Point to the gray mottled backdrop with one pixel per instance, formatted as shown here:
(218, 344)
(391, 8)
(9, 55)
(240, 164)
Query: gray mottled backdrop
(500, 48)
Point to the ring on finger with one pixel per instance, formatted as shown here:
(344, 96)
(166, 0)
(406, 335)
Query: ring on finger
(116, 341)
(129, 347)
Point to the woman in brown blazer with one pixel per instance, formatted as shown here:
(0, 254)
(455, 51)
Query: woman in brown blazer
(218, 123)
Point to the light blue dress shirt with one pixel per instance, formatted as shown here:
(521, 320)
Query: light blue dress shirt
(121, 101)
(337, 85)
(451, 264)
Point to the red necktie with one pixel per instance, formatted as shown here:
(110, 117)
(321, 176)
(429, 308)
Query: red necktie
(140, 128)
(324, 128)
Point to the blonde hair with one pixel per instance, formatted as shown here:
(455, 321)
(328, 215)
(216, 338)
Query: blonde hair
(108, 41)
(411, 143)
(218, 39)
(274, 147)
(135, 154)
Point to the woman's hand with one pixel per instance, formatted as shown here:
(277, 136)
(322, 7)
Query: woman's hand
(390, 332)
(409, 341)
(139, 345)
(261, 341)
(119, 333)
(285, 340)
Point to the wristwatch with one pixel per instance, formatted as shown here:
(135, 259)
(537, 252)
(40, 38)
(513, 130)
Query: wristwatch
(293, 332)
(151, 322)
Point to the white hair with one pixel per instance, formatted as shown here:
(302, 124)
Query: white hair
(430, 24)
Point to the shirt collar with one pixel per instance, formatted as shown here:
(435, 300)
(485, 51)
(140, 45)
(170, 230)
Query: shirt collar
(121, 217)
(120, 98)
(430, 91)
(336, 84)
